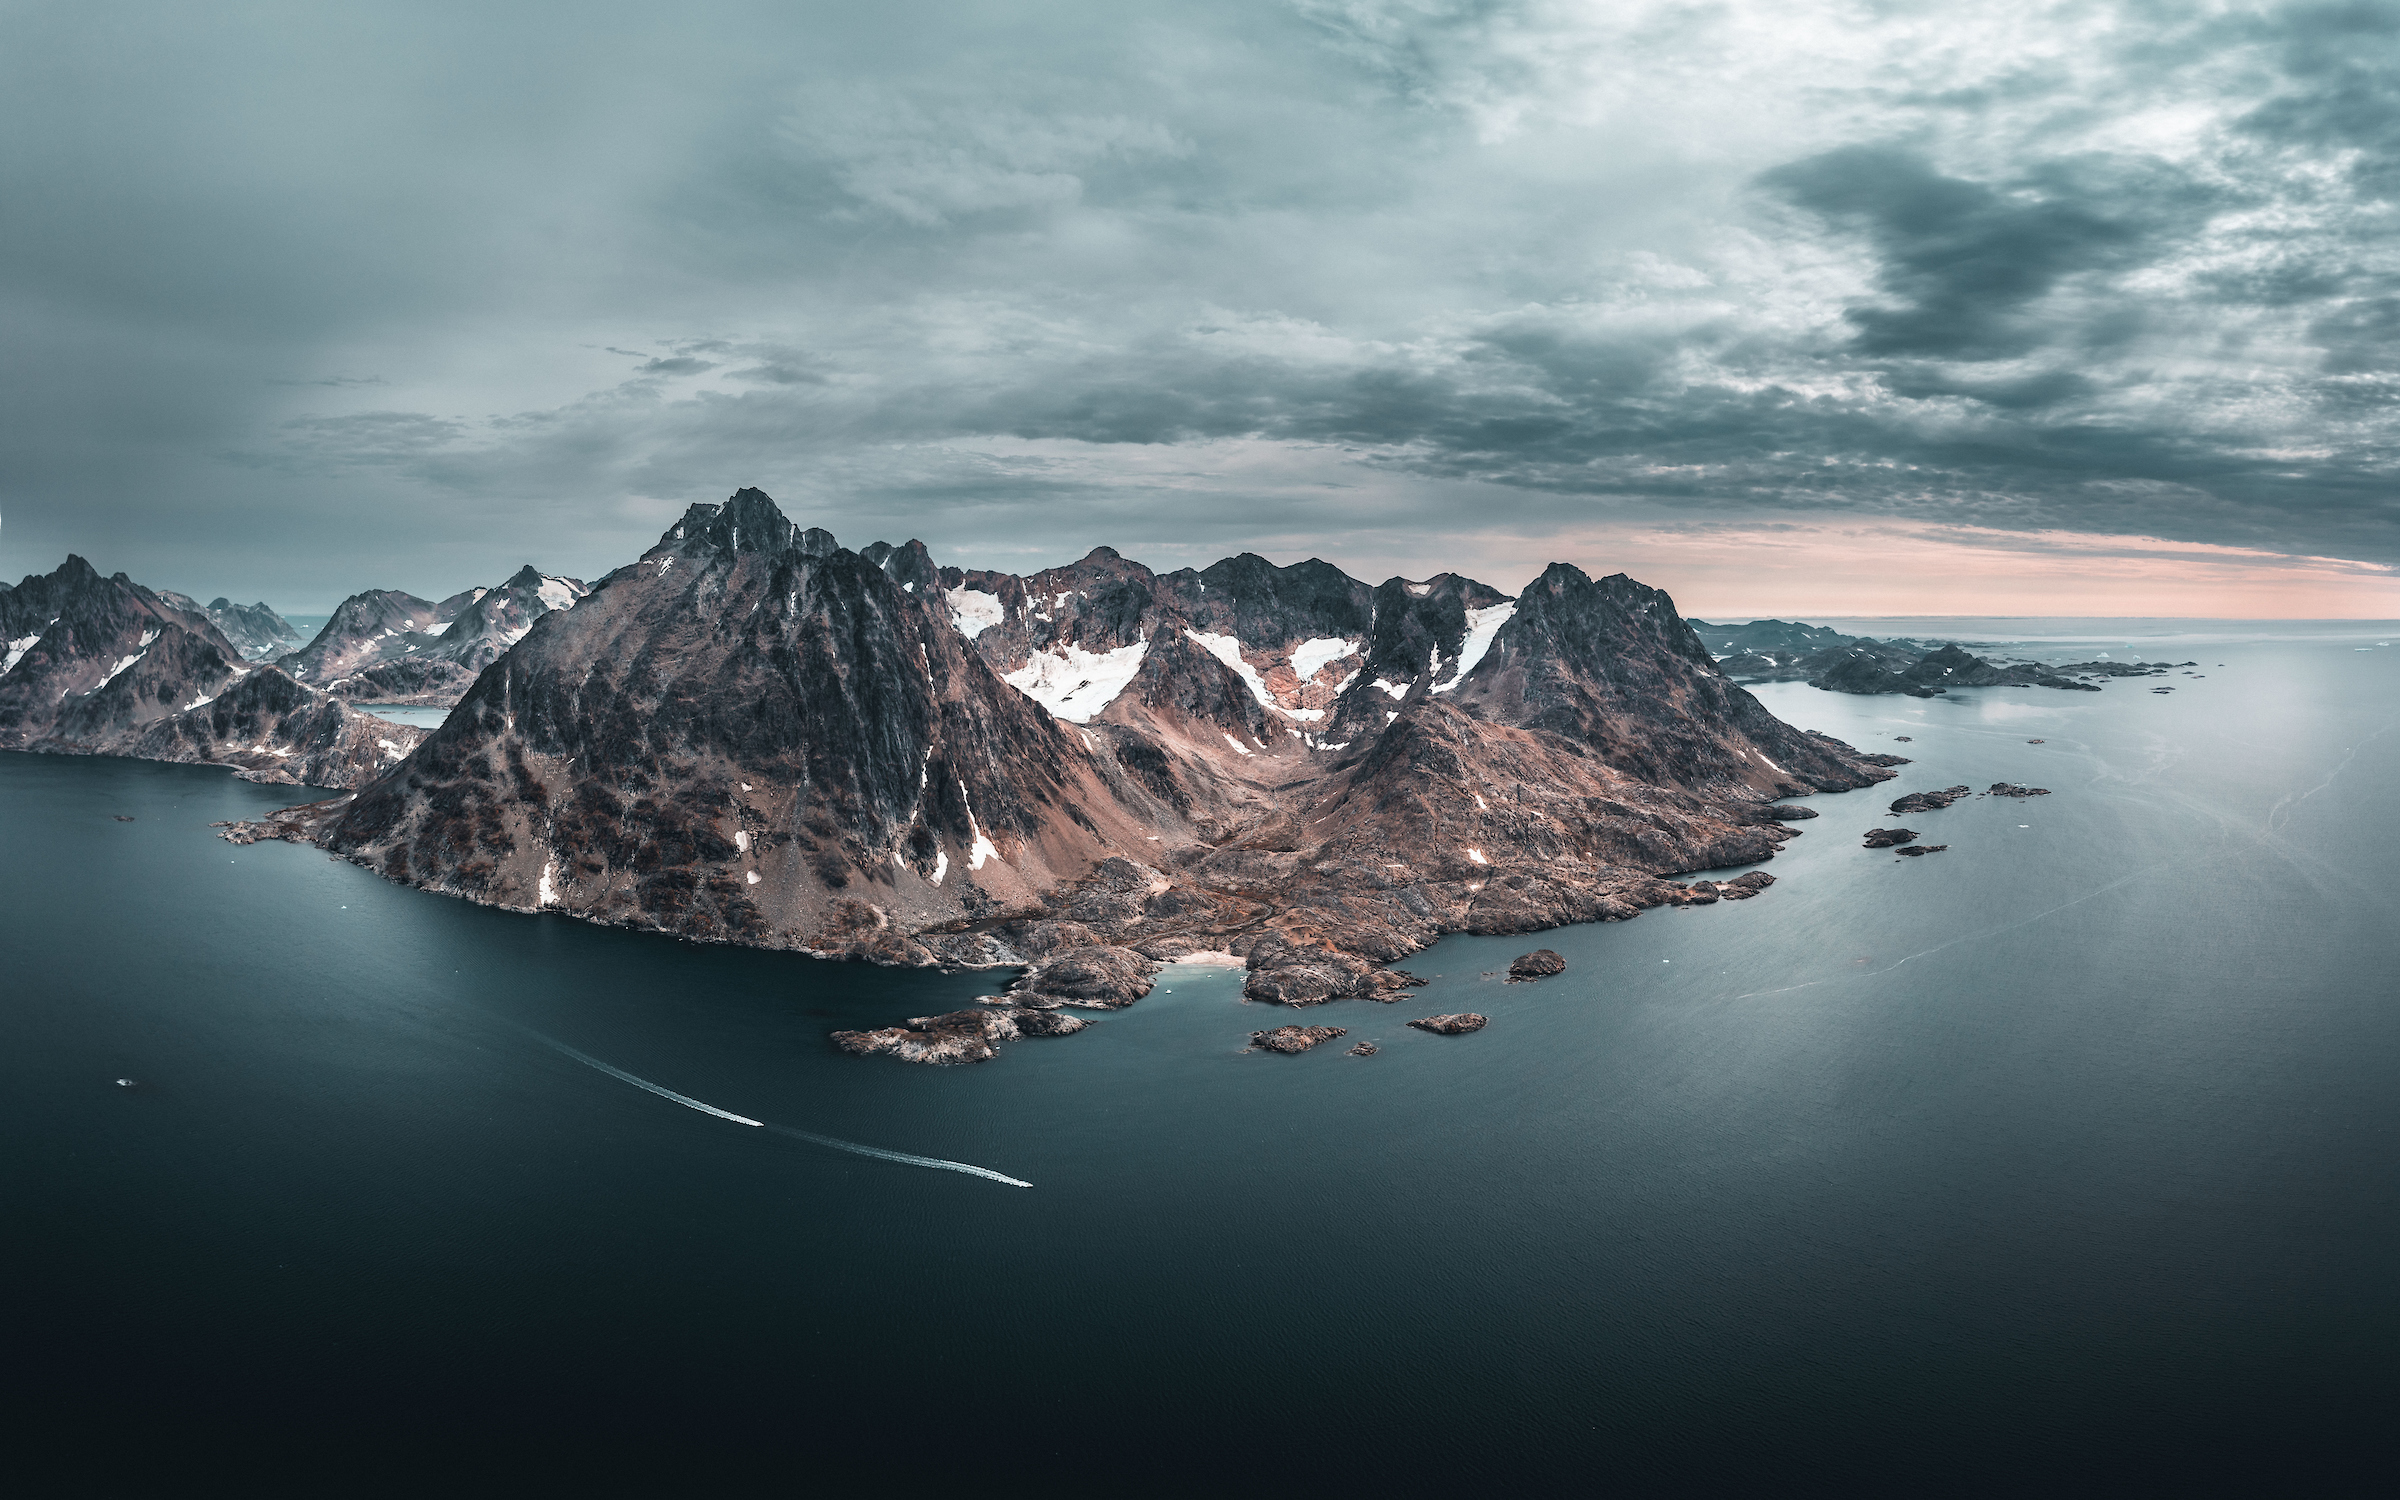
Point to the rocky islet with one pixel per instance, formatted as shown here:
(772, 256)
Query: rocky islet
(1541, 963)
(1451, 1025)
(1291, 1039)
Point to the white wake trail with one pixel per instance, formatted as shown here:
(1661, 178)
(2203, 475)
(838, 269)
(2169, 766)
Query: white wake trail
(590, 1061)
(902, 1157)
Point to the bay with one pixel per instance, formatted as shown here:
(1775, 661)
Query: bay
(2067, 1152)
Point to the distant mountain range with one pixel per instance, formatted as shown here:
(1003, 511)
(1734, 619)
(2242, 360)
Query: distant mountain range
(104, 666)
(1782, 651)
(255, 630)
(384, 646)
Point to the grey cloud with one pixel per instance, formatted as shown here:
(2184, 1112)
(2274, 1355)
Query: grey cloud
(1965, 261)
(1045, 277)
(2342, 92)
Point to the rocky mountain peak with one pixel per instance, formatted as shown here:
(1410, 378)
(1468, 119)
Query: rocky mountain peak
(1610, 665)
(748, 522)
(1260, 604)
(255, 629)
(1568, 611)
(778, 743)
(386, 646)
(910, 565)
(448, 609)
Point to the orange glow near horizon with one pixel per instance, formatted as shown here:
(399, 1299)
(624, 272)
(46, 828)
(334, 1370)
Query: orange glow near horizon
(1867, 568)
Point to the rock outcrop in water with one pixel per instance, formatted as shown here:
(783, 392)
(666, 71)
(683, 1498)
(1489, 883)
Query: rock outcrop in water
(103, 666)
(1290, 1039)
(753, 734)
(1885, 838)
(1541, 963)
(1458, 1025)
(1917, 802)
(962, 1036)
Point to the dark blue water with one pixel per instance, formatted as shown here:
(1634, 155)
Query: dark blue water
(2070, 1155)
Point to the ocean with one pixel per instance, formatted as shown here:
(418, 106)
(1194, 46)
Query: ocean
(2067, 1156)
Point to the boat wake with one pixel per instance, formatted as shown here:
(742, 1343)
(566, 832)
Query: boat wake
(836, 1143)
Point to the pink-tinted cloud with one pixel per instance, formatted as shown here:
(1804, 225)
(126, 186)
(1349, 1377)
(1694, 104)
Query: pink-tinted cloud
(1853, 568)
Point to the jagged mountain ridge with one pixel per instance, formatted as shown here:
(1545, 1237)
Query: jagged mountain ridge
(255, 630)
(737, 736)
(382, 645)
(104, 666)
(753, 734)
(1771, 637)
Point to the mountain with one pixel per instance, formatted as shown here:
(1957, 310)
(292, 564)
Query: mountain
(364, 629)
(381, 646)
(1786, 665)
(254, 629)
(753, 734)
(1905, 667)
(1768, 637)
(748, 734)
(1781, 651)
(104, 666)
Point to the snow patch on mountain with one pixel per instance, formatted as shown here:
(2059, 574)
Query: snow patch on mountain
(1074, 684)
(1482, 626)
(974, 611)
(1311, 657)
(1229, 651)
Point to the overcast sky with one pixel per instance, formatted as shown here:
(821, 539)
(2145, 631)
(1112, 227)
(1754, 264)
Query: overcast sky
(2081, 308)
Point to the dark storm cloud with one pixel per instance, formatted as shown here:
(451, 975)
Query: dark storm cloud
(2341, 90)
(1040, 278)
(1965, 262)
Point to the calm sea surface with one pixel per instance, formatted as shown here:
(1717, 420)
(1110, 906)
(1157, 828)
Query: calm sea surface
(2070, 1153)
